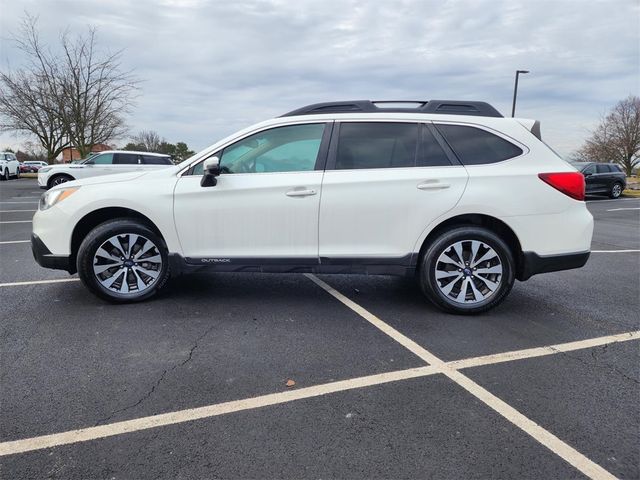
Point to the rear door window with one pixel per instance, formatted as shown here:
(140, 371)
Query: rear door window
(126, 159)
(376, 145)
(431, 154)
(474, 146)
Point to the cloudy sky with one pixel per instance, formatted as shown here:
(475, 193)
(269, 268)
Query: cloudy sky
(212, 67)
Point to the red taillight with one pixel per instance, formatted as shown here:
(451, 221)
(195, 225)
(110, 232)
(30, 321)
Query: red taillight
(569, 183)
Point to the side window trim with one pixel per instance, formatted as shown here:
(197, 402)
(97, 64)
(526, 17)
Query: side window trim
(455, 161)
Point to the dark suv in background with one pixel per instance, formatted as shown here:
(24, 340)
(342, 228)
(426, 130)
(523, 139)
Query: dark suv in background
(602, 178)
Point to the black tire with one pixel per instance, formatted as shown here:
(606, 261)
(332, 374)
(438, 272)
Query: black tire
(616, 190)
(58, 179)
(17, 173)
(101, 234)
(5, 176)
(429, 261)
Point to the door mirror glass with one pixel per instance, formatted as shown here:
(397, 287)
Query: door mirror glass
(211, 171)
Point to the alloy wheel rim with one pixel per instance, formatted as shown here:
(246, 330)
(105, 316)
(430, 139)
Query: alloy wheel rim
(59, 180)
(127, 264)
(617, 190)
(468, 272)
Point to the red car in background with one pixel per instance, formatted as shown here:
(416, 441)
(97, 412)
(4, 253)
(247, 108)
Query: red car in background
(32, 166)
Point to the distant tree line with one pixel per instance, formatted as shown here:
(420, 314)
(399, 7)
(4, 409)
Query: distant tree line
(616, 139)
(150, 141)
(71, 96)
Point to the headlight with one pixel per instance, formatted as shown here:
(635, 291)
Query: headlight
(50, 198)
(45, 169)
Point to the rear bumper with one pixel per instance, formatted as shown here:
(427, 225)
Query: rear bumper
(532, 263)
(46, 259)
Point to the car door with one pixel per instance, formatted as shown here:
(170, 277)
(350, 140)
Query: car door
(101, 164)
(384, 183)
(125, 162)
(591, 179)
(264, 207)
(605, 175)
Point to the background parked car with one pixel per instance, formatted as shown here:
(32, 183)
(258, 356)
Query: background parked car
(9, 166)
(602, 178)
(32, 166)
(104, 163)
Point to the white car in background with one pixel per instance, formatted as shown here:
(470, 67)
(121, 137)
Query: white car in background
(9, 166)
(104, 163)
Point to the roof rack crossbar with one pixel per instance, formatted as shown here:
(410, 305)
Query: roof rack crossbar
(444, 107)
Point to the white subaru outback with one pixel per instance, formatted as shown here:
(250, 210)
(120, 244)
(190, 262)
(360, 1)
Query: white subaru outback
(103, 163)
(447, 191)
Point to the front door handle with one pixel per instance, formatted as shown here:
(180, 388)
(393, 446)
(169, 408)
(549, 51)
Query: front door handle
(300, 193)
(433, 185)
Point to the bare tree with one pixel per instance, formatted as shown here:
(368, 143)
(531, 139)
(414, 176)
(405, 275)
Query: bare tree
(97, 94)
(149, 139)
(617, 137)
(29, 98)
(77, 94)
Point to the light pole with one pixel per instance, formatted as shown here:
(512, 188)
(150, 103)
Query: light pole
(515, 90)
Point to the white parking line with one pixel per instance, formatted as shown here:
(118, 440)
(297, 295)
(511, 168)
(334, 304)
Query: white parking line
(614, 200)
(18, 221)
(181, 416)
(546, 438)
(39, 282)
(14, 211)
(15, 241)
(615, 251)
(20, 198)
(23, 203)
(618, 209)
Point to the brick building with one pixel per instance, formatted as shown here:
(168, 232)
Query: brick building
(69, 154)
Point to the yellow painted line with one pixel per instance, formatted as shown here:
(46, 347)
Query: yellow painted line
(546, 438)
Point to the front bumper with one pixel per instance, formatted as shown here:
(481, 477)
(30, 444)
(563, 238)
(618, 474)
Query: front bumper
(531, 263)
(46, 259)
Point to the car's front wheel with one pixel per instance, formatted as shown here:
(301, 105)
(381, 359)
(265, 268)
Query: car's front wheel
(5, 175)
(59, 179)
(467, 270)
(616, 190)
(123, 260)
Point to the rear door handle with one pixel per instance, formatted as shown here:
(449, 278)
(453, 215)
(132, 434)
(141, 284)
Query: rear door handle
(433, 185)
(300, 193)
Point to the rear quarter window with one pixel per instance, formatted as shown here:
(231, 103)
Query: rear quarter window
(474, 146)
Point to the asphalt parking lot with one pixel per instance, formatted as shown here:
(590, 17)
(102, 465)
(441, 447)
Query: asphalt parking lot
(193, 384)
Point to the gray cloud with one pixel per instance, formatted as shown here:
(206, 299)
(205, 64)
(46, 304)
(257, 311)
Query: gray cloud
(211, 67)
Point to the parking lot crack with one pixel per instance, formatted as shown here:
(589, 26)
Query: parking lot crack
(158, 381)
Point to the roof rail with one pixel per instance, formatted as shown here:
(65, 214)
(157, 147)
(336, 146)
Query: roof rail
(445, 107)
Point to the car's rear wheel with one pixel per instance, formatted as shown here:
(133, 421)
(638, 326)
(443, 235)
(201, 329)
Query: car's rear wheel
(467, 270)
(5, 175)
(616, 190)
(59, 179)
(123, 261)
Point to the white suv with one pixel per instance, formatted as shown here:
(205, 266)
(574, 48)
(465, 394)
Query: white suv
(103, 163)
(447, 191)
(9, 166)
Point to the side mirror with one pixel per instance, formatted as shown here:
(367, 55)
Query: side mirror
(211, 171)
(587, 174)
